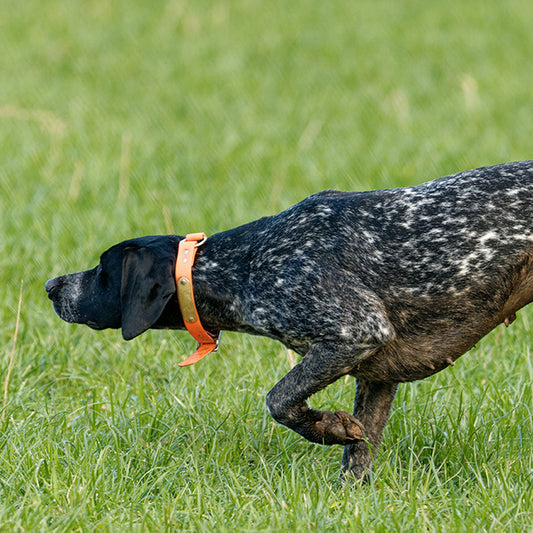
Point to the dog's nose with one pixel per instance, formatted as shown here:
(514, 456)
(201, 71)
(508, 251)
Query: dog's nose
(50, 285)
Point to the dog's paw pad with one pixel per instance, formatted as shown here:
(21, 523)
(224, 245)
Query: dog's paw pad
(339, 428)
(353, 428)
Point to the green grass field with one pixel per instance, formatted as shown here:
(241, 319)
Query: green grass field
(125, 118)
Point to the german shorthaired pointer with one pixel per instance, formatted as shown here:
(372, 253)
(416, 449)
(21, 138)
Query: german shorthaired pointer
(388, 286)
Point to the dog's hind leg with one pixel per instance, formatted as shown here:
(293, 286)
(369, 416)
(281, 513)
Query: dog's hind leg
(286, 401)
(372, 406)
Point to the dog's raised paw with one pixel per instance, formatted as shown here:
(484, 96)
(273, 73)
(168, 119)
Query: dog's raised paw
(339, 428)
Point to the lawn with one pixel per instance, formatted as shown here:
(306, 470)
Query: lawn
(126, 118)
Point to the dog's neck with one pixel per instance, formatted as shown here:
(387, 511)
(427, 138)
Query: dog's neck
(220, 277)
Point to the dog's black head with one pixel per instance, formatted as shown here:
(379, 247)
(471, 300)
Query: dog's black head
(129, 289)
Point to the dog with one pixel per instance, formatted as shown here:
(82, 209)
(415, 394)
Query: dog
(388, 286)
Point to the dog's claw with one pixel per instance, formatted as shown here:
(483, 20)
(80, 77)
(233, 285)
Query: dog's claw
(339, 428)
(509, 320)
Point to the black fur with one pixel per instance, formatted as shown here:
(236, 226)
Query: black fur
(388, 286)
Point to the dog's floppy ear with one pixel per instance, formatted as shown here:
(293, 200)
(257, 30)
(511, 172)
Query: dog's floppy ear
(147, 286)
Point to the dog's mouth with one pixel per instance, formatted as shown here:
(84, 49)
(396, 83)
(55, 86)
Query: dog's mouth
(94, 325)
(67, 314)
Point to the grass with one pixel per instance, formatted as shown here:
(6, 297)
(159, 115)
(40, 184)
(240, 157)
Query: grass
(119, 119)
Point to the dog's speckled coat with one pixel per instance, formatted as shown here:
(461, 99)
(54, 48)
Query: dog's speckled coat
(388, 286)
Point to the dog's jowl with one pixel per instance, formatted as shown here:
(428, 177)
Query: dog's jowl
(387, 286)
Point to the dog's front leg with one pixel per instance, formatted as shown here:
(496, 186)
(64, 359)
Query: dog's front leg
(323, 364)
(372, 406)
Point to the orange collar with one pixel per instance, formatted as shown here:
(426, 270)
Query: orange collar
(207, 342)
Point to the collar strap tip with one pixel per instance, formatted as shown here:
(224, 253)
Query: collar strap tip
(200, 353)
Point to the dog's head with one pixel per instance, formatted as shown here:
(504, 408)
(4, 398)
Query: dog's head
(129, 289)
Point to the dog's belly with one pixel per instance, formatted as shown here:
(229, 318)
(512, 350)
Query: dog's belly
(413, 359)
(414, 355)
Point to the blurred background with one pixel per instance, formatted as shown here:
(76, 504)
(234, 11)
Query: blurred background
(121, 118)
